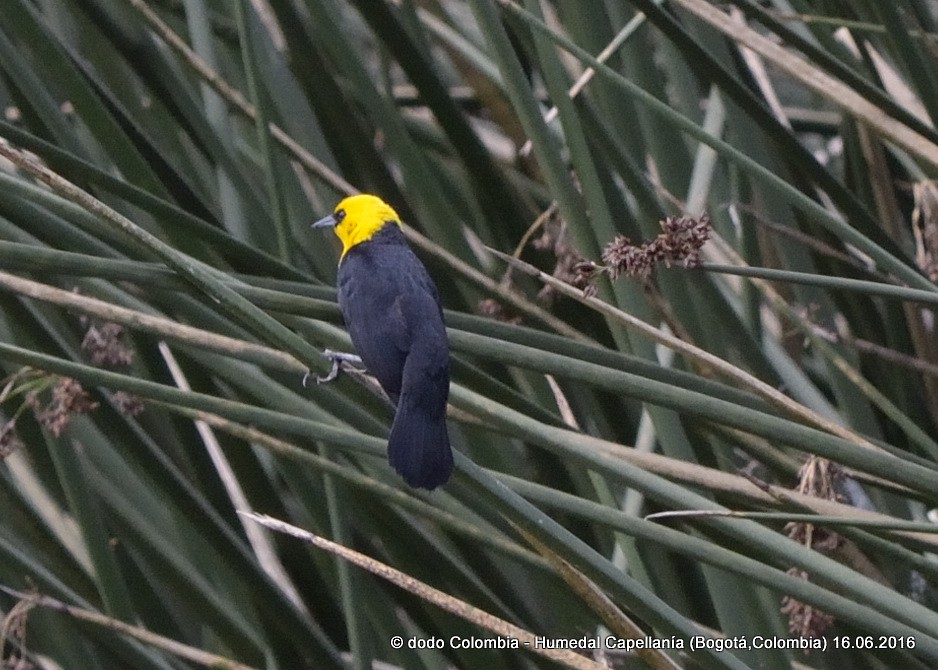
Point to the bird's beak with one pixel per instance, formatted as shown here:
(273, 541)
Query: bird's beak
(326, 222)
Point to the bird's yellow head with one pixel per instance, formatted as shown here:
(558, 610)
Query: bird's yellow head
(357, 218)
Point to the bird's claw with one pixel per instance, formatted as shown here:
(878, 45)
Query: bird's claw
(337, 358)
(333, 373)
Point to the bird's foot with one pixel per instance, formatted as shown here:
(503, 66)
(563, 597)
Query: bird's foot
(337, 358)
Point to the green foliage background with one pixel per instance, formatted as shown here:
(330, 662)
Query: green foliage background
(166, 158)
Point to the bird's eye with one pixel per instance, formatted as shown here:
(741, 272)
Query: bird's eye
(339, 216)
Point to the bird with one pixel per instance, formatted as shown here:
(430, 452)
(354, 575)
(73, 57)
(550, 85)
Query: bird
(394, 316)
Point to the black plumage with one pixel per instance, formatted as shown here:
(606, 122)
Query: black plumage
(393, 314)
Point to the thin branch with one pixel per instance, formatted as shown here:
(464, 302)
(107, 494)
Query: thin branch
(155, 325)
(168, 645)
(887, 524)
(525, 639)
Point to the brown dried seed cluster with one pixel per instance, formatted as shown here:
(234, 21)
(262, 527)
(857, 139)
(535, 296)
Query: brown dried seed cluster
(69, 399)
(496, 310)
(556, 240)
(584, 274)
(822, 479)
(679, 243)
(9, 440)
(128, 404)
(105, 347)
(804, 620)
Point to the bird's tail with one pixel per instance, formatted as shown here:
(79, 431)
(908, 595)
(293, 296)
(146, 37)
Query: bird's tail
(418, 447)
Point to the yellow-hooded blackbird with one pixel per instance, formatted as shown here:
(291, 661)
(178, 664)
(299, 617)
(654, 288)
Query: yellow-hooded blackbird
(393, 315)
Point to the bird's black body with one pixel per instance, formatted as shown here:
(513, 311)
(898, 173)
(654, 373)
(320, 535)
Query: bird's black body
(393, 315)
